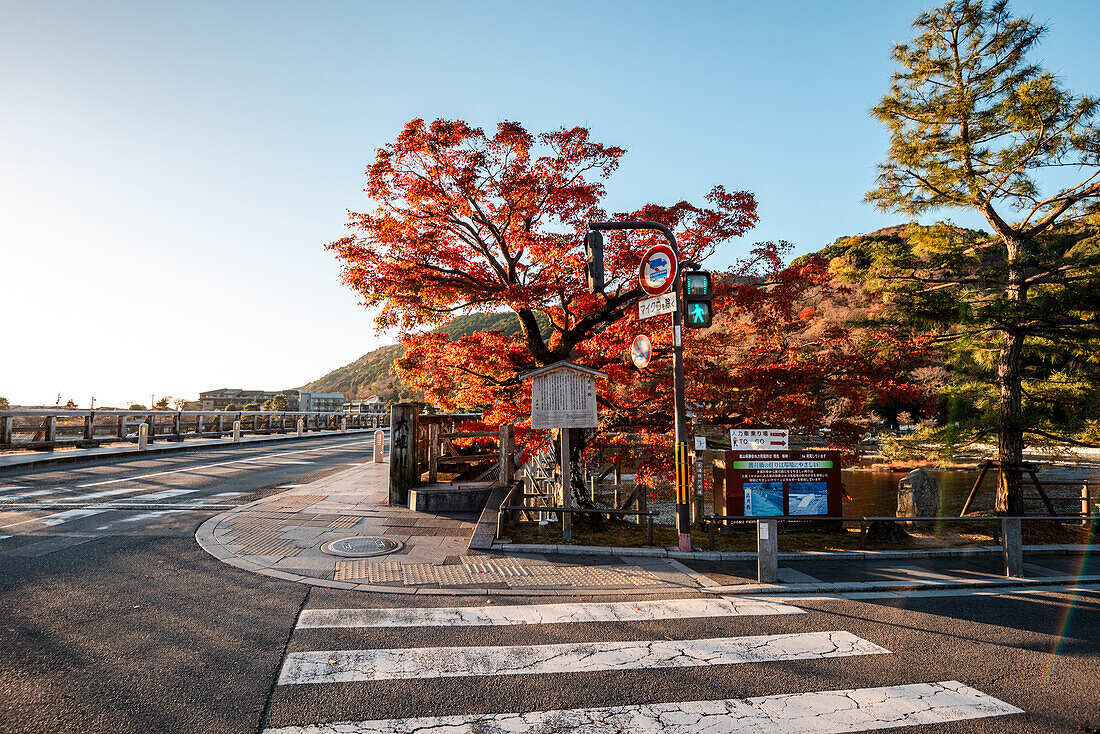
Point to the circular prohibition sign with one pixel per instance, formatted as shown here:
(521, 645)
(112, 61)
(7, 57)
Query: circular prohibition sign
(657, 272)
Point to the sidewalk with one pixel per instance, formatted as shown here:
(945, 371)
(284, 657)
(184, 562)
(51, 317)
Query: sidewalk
(281, 536)
(35, 459)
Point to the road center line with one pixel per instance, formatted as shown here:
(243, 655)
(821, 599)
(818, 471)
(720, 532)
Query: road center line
(541, 613)
(338, 666)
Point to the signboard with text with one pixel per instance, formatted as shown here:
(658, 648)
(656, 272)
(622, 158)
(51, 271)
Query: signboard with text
(564, 398)
(761, 439)
(768, 483)
(657, 305)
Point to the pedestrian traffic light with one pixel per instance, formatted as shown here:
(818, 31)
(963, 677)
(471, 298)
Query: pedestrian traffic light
(593, 255)
(697, 300)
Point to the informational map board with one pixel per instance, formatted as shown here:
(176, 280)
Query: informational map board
(767, 483)
(759, 439)
(563, 398)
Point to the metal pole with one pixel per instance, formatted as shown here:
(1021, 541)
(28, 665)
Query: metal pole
(683, 492)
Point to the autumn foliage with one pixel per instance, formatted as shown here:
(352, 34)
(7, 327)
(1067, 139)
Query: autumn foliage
(465, 221)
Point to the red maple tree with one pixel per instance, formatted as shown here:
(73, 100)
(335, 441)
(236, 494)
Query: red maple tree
(465, 222)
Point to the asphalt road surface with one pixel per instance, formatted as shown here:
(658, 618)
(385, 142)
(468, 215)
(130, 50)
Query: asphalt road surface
(117, 622)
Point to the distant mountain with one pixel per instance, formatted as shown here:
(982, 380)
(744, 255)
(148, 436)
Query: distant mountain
(371, 374)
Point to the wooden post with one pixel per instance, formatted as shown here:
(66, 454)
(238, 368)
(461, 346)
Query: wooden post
(566, 486)
(1030, 468)
(89, 426)
(974, 489)
(433, 452)
(507, 454)
(199, 427)
(151, 421)
(643, 498)
(403, 458)
(177, 426)
(121, 428)
(8, 422)
(221, 424)
(51, 429)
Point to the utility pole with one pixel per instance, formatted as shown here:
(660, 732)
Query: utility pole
(683, 496)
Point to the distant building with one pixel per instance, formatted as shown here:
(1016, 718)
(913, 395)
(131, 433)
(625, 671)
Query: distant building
(375, 404)
(320, 402)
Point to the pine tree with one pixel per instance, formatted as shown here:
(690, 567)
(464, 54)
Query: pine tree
(975, 126)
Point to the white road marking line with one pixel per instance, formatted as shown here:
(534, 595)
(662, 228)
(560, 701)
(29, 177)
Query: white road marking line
(164, 495)
(208, 466)
(277, 463)
(819, 712)
(338, 666)
(227, 494)
(289, 486)
(139, 517)
(541, 613)
(67, 515)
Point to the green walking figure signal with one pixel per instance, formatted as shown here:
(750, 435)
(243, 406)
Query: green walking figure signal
(698, 299)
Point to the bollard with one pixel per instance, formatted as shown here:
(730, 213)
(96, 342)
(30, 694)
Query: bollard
(767, 551)
(143, 436)
(1012, 544)
(301, 427)
(236, 431)
(343, 425)
(379, 444)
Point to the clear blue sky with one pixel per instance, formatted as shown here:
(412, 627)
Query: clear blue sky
(171, 171)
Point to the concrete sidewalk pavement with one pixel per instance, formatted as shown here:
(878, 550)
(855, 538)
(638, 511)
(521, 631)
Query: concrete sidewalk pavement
(282, 536)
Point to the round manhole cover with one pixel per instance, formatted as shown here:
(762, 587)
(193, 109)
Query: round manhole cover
(361, 547)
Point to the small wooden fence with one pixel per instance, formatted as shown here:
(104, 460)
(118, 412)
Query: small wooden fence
(444, 447)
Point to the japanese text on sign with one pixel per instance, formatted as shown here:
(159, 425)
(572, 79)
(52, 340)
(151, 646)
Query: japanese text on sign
(563, 399)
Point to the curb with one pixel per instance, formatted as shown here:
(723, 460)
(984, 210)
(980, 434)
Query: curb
(174, 447)
(983, 550)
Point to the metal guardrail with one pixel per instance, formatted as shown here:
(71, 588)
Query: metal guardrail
(1010, 534)
(50, 429)
(647, 514)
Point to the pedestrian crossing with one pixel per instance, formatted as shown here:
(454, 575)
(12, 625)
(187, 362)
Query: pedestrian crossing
(675, 646)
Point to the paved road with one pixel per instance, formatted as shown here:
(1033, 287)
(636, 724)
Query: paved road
(111, 617)
(923, 662)
(124, 625)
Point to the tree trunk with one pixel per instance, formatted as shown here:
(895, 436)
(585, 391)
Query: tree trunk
(1010, 442)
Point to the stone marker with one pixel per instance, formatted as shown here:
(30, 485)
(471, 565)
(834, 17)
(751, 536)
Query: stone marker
(919, 495)
(404, 472)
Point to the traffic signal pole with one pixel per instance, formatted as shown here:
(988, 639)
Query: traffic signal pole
(683, 495)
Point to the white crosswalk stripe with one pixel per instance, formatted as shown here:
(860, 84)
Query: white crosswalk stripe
(809, 712)
(540, 613)
(823, 712)
(578, 657)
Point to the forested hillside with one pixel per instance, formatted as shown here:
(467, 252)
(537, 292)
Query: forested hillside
(370, 374)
